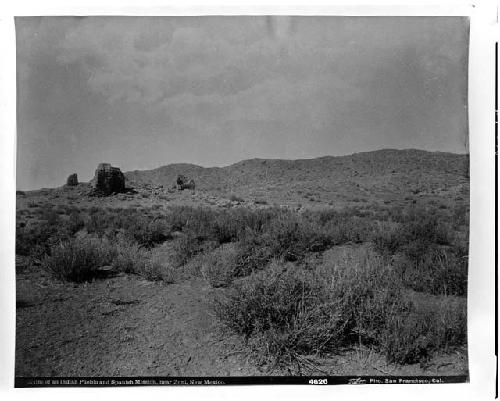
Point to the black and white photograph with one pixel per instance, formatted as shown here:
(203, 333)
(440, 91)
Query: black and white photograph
(224, 197)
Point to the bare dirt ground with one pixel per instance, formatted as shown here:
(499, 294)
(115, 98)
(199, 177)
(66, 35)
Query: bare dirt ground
(127, 326)
(122, 326)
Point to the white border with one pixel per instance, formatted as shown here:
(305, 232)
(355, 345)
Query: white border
(484, 32)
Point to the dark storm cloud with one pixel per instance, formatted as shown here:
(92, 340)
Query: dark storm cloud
(142, 92)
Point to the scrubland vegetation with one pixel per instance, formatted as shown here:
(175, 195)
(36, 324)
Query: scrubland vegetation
(292, 284)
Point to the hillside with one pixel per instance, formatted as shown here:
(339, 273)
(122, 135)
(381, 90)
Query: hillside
(384, 175)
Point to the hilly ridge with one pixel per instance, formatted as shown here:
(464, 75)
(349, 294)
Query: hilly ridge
(389, 176)
(381, 175)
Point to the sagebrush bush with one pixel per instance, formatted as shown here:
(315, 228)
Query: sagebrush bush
(152, 264)
(36, 239)
(426, 255)
(425, 225)
(340, 227)
(428, 326)
(435, 271)
(219, 266)
(185, 247)
(354, 297)
(387, 239)
(157, 267)
(130, 257)
(227, 227)
(150, 233)
(267, 299)
(79, 260)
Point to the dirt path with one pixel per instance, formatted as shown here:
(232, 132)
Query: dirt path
(122, 326)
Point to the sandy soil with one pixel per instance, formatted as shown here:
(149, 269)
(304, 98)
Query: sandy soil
(122, 326)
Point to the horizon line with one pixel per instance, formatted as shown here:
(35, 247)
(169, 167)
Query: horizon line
(258, 158)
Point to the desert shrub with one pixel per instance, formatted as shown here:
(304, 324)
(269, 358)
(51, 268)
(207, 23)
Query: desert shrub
(186, 247)
(177, 217)
(405, 339)
(218, 267)
(158, 268)
(152, 264)
(37, 239)
(227, 226)
(269, 300)
(79, 260)
(145, 228)
(387, 239)
(195, 222)
(417, 230)
(97, 221)
(416, 334)
(292, 309)
(285, 235)
(76, 221)
(425, 255)
(340, 227)
(436, 271)
(354, 297)
(424, 226)
(252, 254)
(354, 229)
(129, 257)
(367, 289)
(149, 232)
(450, 322)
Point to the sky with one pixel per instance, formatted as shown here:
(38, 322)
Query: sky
(142, 92)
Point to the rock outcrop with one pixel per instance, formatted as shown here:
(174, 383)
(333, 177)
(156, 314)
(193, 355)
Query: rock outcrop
(72, 180)
(183, 182)
(108, 180)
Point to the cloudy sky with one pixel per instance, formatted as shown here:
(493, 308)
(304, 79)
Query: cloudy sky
(144, 92)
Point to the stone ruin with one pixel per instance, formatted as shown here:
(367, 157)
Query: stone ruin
(182, 183)
(72, 180)
(108, 180)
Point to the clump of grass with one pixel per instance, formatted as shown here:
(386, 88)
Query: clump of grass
(185, 247)
(387, 239)
(129, 257)
(426, 327)
(157, 267)
(219, 266)
(150, 233)
(427, 255)
(36, 239)
(79, 260)
(154, 265)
